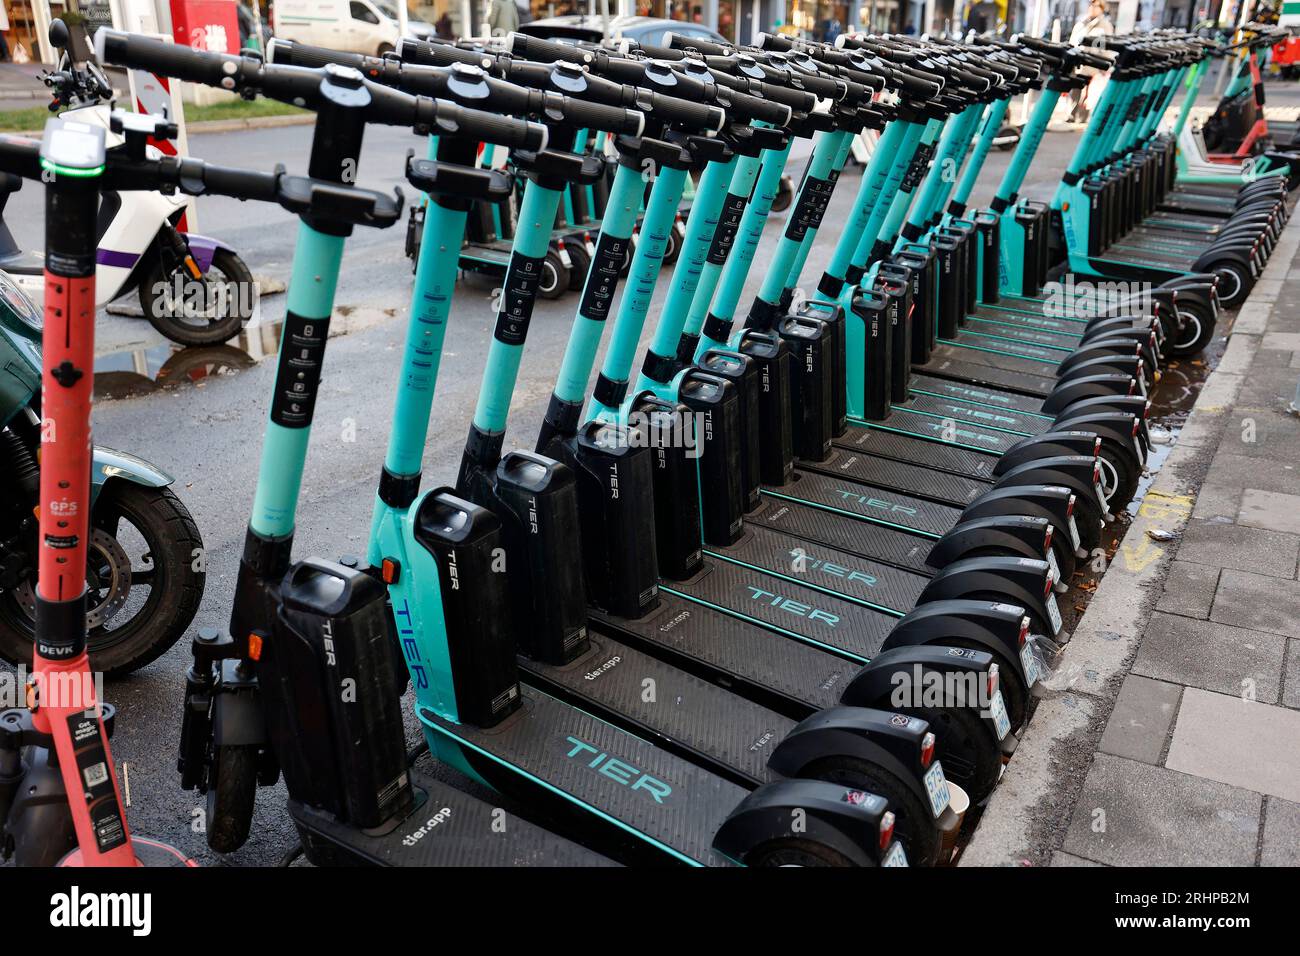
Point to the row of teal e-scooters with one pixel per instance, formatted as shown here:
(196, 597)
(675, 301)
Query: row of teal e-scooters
(769, 597)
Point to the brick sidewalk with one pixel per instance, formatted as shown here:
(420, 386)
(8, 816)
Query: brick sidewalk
(1170, 734)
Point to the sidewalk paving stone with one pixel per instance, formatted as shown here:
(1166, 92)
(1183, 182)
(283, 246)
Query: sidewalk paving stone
(1281, 833)
(1223, 545)
(1212, 656)
(1271, 510)
(1267, 603)
(1159, 817)
(1189, 589)
(1229, 470)
(1140, 722)
(1240, 742)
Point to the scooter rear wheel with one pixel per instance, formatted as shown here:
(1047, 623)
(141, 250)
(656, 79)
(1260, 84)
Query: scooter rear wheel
(795, 852)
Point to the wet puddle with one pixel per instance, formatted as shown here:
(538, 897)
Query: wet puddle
(134, 372)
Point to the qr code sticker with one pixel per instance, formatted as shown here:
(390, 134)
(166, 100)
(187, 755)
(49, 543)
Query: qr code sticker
(96, 775)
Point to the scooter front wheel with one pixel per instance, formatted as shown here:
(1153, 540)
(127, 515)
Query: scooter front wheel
(232, 788)
(204, 311)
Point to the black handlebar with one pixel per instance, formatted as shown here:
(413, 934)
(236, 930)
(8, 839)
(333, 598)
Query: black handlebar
(467, 85)
(328, 86)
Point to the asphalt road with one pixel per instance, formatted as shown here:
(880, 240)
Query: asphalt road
(209, 436)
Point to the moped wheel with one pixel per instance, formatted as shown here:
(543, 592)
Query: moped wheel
(144, 579)
(203, 311)
(232, 788)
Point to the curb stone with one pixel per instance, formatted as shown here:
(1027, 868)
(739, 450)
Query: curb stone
(1026, 818)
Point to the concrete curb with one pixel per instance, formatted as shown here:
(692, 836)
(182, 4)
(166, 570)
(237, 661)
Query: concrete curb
(1026, 817)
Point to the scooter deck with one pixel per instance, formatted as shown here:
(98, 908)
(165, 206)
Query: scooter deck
(1012, 352)
(695, 718)
(823, 566)
(629, 794)
(979, 368)
(870, 503)
(911, 478)
(881, 441)
(861, 538)
(945, 429)
(1019, 333)
(1023, 360)
(792, 677)
(925, 384)
(783, 604)
(971, 413)
(1033, 318)
(448, 827)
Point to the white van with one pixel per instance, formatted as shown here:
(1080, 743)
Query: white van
(356, 26)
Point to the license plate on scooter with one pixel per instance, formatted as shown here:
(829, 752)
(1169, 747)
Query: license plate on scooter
(1053, 614)
(1074, 534)
(895, 856)
(1001, 722)
(1030, 663)
(1053, 564)
(936, 785)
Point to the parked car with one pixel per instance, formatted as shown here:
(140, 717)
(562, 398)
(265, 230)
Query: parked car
(648, 31)
(357, 26)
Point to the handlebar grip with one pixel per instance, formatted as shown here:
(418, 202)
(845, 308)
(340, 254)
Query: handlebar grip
(707, 47)
(597, 116)
(776, 41)
(917, 83)
(449, 119)
(753, 107)
(424, 53)
(679, 112)
(168, 59)
(292, 53)
(20, 156)
(535, 48)
(229, 181)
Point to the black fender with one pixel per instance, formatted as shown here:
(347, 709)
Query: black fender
(1103, 348)
(991, 626)
(1027, 582)
(874, 685)
(1080, 387)
(1138, 405)
(888, 740)
(1025, 536)
(1052, 502)
(1047, 445)
(1132, 365)
(1080, 473)
(845, 820)
(237, 717)
(1122, 429)
(1231, 253)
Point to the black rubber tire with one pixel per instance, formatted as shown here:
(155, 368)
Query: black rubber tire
(580, 261)
(167, 528)
(793, 851)
(970, 754)
(1238, 284)
(555, 276)
(223, 329)
(914, 823)
(1119, 467)
(232, 789)
(1198, 331)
